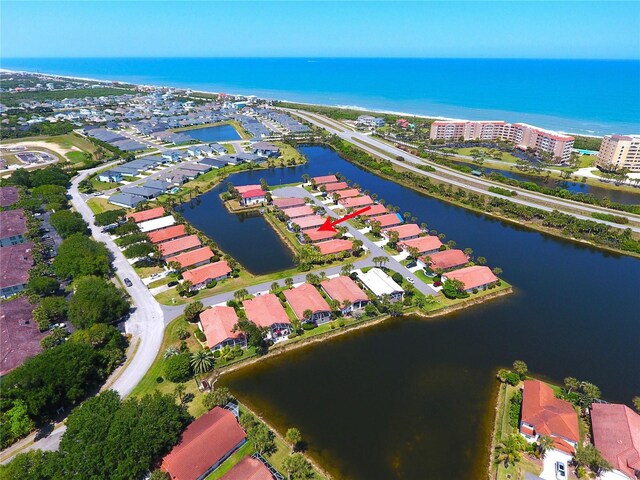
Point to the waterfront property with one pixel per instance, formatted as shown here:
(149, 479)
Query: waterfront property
(445, 260)
(334, 187)
(156, 224)
(356, 202)
(335, 245)
(425, 245)
(285, 203)
(375, 211)
(405, 232)
(207, 442)
(388, 220)
(544, 414)
(305, 298)
(619, 152)
(474, 277)
(145, 215)
(182, 244)
(381, 284)
(218, 323)
(249, 468)
(349, 193)
(346, 292)
(324, 179)
(266, 311)
(616, 435)
(307, 223)
(201, 276)
(265, 149)
(253, 197)
(168, 233)
(316, 236)
(13, 227)
(299, 212)
(194, 258)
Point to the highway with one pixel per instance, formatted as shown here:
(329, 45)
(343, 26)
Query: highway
(468, 182)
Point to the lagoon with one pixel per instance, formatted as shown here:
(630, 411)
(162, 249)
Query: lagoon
(217, 133)
(412, 398)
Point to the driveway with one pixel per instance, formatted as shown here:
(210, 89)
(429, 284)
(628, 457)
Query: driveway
(549, 464)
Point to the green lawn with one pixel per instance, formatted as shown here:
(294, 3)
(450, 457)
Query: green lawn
(505, 157)
(78, 157)
(99, 205)
(423, 276)
(244, 451)
(229, 148)
(71, 140)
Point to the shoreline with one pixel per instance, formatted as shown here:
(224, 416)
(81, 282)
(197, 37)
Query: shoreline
(349, 107)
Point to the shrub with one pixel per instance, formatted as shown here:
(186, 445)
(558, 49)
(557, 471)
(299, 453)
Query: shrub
(177, 368)
(515, 405)
(200, 335)
(159, 379)
(308, 326)
(212, 283)
(183, 333)
(216, 354)
(43, 286)
(397, 278)
(475, 290)
(341, 322)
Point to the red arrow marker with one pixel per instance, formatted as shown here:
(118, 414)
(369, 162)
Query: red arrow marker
(328, 225)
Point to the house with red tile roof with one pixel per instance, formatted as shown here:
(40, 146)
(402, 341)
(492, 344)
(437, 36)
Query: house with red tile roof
(324, 179)
(145, 215)
(8, 196)
(299, 212)
(616, 435)
(334, 246)
(389, 220)
(193, 258)
(472, 277)
(200, 276)
(284, 203)
(349, 193)
(16, 262)
(334, 187)
(166, 234)
(245, 188)
(316, 236)
(306, 297)
(375, 211)
(217, 324)
(13, 227)
(425, 245)
(544, 414)
(207, 442)
(267, 311)
(445, 260)
(310, 222)
(405, 232)
(344, 289)
(19, 334)
(253, 197)
(178, 245)
(248, 468)
(356, 202)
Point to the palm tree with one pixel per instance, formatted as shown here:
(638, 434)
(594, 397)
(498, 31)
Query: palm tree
(288, 282)
(274, 287)
(202, 361)
(346, 269)
(240, 294)
(179, 391)
(509, 451)
(545, 443)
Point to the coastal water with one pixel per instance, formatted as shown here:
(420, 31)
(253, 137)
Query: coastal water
(219, 133)
(413, 398)
(580, 96)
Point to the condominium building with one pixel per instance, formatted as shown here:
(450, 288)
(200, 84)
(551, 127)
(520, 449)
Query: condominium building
(525, 136)
(618, 152)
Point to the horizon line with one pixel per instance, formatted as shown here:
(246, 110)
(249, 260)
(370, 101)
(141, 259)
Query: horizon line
(298, 57)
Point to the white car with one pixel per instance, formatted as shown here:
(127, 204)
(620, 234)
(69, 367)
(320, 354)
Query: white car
(411, 280)
(561, 471)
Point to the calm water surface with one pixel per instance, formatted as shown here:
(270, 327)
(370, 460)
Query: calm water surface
(412, 398)
(219, 133)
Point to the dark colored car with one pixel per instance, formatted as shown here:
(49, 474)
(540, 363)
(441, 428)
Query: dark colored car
(127, 282)
(172, 284)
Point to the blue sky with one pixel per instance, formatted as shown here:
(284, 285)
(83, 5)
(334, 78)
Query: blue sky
(321, 29)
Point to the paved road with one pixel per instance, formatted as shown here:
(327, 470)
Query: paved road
(456, 178)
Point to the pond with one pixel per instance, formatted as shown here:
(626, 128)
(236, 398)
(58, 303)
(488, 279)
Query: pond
(218, 133)
(412, 398)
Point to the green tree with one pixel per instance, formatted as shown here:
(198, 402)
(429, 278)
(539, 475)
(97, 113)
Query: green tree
(67, 223)
(159, 475)
(15, 424)
(520, 368)
(545, 443)
(509, 452)
(240, 294)
(481, 260)
(293, 437)
(56, 337)
(179, 391)
(452, 288)
(274, 287)
(43, 286)
(96, 301)
(589, 456)
(307, 314)
(288, 282)
(636, 403)
(109, 217)
(297, 467)
(79, 255)
(177, 368)
(262, 438)
(346, 269)
(218, 397)
(571, 383)
(192, 311)
(138, 250)
(202, 361)
(313, 279)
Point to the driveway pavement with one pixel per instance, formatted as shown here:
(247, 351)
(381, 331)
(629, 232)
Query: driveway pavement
(549, 464)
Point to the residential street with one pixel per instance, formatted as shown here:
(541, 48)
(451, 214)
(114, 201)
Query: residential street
(444, 174)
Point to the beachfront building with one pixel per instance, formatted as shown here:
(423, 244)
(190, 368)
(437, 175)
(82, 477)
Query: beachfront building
(201, 276)
(544, 414)
(346, 292)
(381, 284)
(267, 311)
(616, 435)
(619, 152)
(305, 297)
(217, 324)
(370, 122)
(475, 277)
(558, 146)
(207, 442)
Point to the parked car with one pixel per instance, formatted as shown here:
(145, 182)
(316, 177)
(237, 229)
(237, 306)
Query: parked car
(60, 325)
(411, 280)
(127, 282)
(172, 284)
(46, 235)
(561, 471)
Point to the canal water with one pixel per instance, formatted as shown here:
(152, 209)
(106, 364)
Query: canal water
(412, 398)
(219, 133)
(615, 195)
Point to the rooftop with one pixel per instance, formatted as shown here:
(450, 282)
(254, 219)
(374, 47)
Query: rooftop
(334, 187)
(406, 231)
(325, 179)
(389, 219)
(306, 297)
(334, 246)
(8, 196)
(473, 277)
(164, 234)
(448, 259)
(19, 335)
(156, 223)
(616, 434)
(375, 210)
(312, 221)
(265, 310)
(248, 468)
(343, 288)
(424, 244)
(356, 201)
(206, 441)
(379, 282)
(255, 193)
(207, 272)
(302, 211)
(349, 193)
(179, 245)
(188, 259)
(245, 188)
(12, 223)
(283, 203)
(15, 262)
(146, 214)
(217, 324)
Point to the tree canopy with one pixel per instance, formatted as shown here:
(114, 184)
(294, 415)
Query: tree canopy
(79, 255)
(96, 301)
(67, 223)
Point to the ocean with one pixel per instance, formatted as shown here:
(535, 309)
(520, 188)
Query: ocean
(590, 97)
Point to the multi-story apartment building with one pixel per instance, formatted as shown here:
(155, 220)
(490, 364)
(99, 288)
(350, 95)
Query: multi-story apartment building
(525, 136)
(619, 152)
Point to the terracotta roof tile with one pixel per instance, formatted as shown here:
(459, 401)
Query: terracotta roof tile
(145, 215)
(306, 297)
